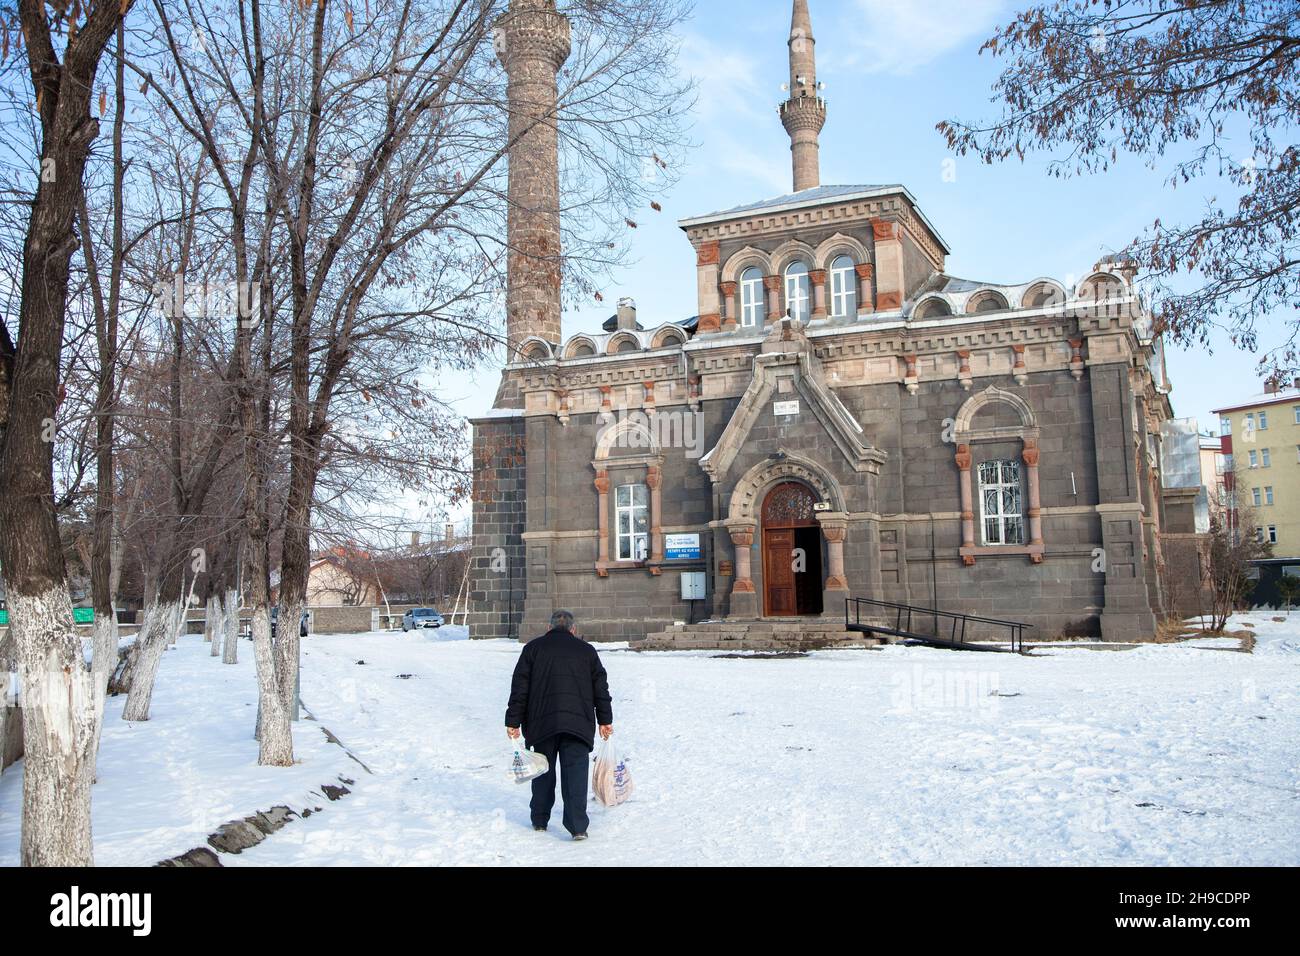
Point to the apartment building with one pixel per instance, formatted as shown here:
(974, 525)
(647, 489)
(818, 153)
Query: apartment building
(1260, 448)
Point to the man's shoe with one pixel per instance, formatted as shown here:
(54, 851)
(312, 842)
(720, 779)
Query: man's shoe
(579, 836)
(539, 829)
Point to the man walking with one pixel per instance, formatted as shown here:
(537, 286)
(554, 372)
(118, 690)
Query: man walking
(558, 685)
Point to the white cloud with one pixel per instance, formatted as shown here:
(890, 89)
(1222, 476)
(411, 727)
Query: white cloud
(736, 108)
(898, 36)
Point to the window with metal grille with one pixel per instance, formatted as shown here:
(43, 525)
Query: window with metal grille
(1000, 508)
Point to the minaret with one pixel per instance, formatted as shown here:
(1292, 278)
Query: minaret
(532, 42)
(804, 113)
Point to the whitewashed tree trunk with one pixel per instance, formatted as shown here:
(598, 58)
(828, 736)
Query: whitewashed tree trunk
(215, 629)
(153, 640)
(7, 666)
(210, 611)
(275, 684)
(104, 641)
(230, 655)
(60, 715)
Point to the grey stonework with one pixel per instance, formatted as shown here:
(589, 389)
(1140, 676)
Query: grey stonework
(497, 579)
(904, 526)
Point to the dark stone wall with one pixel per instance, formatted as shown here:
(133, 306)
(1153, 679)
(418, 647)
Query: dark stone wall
(498, 575)
(904, 531)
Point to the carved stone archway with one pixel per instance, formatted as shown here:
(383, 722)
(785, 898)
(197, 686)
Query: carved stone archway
(743, 517)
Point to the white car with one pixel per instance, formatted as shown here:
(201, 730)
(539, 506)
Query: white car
(421, 617)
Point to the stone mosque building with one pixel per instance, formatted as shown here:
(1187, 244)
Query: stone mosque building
(842, 418)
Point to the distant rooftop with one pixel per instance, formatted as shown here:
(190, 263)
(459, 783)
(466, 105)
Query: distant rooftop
(1279, 397)
(812, 197)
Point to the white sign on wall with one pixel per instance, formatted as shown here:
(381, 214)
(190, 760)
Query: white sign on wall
(785, 408)
(681, 546)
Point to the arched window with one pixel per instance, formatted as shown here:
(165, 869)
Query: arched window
(797, 291)
(844, 289)
(1000, 501)
(753, 306)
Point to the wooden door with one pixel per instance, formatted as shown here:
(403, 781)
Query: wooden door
(778, 571)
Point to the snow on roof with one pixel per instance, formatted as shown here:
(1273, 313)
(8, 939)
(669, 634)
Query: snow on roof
(1280, 397)
(803, 197)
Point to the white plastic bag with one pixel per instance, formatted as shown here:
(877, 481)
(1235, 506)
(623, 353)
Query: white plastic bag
(526, 764)
(611, 781)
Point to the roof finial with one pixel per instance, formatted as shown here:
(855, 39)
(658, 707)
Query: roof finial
(804, 113)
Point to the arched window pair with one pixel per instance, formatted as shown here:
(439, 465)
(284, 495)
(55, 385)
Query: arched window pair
(798, 292)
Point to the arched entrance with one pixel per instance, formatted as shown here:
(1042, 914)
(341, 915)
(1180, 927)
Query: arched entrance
(792, 551)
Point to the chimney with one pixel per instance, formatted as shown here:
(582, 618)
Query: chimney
(532, 41)
(449, 531)
(804, 114)
(415, 539)
(627, 313)
(1270, 387)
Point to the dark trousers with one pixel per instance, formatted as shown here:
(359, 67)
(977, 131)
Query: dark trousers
(571, 755)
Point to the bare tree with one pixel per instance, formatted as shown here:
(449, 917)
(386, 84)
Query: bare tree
(1236, 544)
(1089, 81)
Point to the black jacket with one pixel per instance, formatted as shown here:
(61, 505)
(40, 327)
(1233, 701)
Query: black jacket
(558, 684)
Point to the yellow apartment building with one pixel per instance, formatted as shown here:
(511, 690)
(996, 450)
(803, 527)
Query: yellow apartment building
(1261, 457)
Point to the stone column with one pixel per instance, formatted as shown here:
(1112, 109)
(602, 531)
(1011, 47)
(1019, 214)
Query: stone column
(706, 277)
(963, 458)
(654, 478)
(730, 305)
(744, 601)
(602, 522)
(1030, 455)
(773, 286)
(889, 264)
(818, 279)
(836, 588)
(866, 296)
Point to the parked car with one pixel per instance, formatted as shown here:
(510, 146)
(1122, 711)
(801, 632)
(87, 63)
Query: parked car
(421, 617)
(302, 623)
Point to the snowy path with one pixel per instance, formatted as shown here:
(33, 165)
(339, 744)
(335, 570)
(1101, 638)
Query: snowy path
(1159, 755)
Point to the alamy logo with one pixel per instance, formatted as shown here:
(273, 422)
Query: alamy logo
(75, 909)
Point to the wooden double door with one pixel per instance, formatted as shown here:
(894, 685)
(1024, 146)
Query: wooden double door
(792, 552)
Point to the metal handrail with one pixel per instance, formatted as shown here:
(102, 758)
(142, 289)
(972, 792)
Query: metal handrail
(1016, 629)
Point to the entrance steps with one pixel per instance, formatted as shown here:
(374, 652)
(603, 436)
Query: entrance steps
(788, 634)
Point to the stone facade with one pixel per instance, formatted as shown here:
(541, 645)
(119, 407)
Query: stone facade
(979, 447)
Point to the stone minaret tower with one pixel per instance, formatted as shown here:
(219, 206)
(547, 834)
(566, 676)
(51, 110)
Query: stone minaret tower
(532, 42)
(804, 113)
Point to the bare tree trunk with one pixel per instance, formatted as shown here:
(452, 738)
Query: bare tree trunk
(7, 664)
(60, 706)
(231, 653)
(150, 644)
(212, 625)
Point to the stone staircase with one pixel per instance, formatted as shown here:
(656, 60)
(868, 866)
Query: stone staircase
(781, 634)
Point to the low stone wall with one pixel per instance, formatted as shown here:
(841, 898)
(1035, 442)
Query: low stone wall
(343, 620)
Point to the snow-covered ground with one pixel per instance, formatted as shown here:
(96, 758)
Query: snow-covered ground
(1164, 754)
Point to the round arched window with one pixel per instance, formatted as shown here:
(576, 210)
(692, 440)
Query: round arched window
(797, 291)
(844, 289)
(753, 306)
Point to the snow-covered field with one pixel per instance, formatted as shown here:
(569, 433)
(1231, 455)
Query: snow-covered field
(1165, 754)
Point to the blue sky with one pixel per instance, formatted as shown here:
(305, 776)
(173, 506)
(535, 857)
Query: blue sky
(892, 71)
